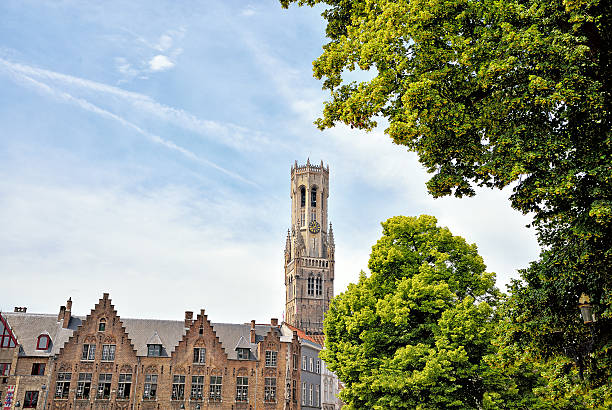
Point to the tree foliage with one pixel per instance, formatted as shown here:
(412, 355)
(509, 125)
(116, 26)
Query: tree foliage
(496, 93)
(415, 332)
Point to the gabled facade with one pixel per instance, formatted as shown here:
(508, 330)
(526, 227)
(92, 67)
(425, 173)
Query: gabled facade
(105, 362)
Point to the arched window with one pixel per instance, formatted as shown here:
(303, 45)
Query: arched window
(102, 325)
(313, 197)
(311, 284)
(319, 287)
(43, 342)
(302, 196)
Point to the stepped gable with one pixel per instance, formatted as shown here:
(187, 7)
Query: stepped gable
(28, 326)
(103, 309)
(192, 331)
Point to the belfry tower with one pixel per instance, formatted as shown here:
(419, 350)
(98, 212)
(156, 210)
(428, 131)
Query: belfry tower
(309, 251)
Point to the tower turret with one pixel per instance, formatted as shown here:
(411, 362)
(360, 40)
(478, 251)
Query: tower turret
(309, 260)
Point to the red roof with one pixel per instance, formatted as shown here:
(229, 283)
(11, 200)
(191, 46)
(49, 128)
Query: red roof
(318, 339)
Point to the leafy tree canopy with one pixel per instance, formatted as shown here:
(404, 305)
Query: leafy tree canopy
(496, 93)
(415, 332)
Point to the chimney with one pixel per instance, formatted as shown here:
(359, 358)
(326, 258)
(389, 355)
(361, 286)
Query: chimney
(188, 318)
(67, 313)
(20, 309)
(252, 331)
(60, 315)
(274, 322)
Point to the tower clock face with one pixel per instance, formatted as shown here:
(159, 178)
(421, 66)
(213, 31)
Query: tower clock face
(314, 227)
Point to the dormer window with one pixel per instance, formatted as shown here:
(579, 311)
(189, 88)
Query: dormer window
(243, 354)
(154, 350)
(43, 342)
(102, 325)
(154, 345)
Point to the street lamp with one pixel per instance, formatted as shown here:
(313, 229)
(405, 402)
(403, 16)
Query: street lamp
(586, 309)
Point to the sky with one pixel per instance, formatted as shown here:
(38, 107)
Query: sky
(145, 151)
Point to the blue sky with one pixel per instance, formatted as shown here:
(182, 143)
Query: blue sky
(145, 151)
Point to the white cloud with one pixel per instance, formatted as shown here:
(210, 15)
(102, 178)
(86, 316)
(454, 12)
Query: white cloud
(160, 63)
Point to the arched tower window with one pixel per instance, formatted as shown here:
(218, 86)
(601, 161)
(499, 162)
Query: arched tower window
(311, 286)
(302, 196)
(319, 287)
(102, 325)
(313, 197)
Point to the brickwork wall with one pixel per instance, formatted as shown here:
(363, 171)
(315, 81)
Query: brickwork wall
(200, 334)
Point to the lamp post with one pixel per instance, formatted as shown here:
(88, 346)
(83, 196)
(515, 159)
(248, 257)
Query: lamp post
(586, 312)
(586, 309)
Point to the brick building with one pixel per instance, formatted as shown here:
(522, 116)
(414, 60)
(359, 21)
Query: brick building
(105, 362)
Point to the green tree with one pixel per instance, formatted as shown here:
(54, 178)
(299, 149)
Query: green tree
(415, 333)
(496, 93)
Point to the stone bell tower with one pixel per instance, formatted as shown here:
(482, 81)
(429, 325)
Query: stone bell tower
(309, 251)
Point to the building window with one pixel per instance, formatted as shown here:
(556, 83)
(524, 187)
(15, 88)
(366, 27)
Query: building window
(318, 369)
(316, 396)
(271, 358)
(242, 388)
(311, 289)
(215, 388)
(6, 336)
(43, 342)
(304, 362)
(104, 385)
(38, 369)
(302, 197)
(154, 350)
(319, 287)
(31, 400)
(150, 387)
(243, 353)
(89, 352)
(310, 362)
(178, 387)
(295, 391)
(83, 386)
(62, 385)
(270, 389)
(125, 386)
(5, 369)
(310, 396)
(108, 353)
(199, 355)
(296, 360)
(304, 391)
(197, 387)
(313, 197)
(102, 325)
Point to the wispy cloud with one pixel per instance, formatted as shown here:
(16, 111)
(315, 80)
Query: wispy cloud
(232, 135)
(24, 79)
